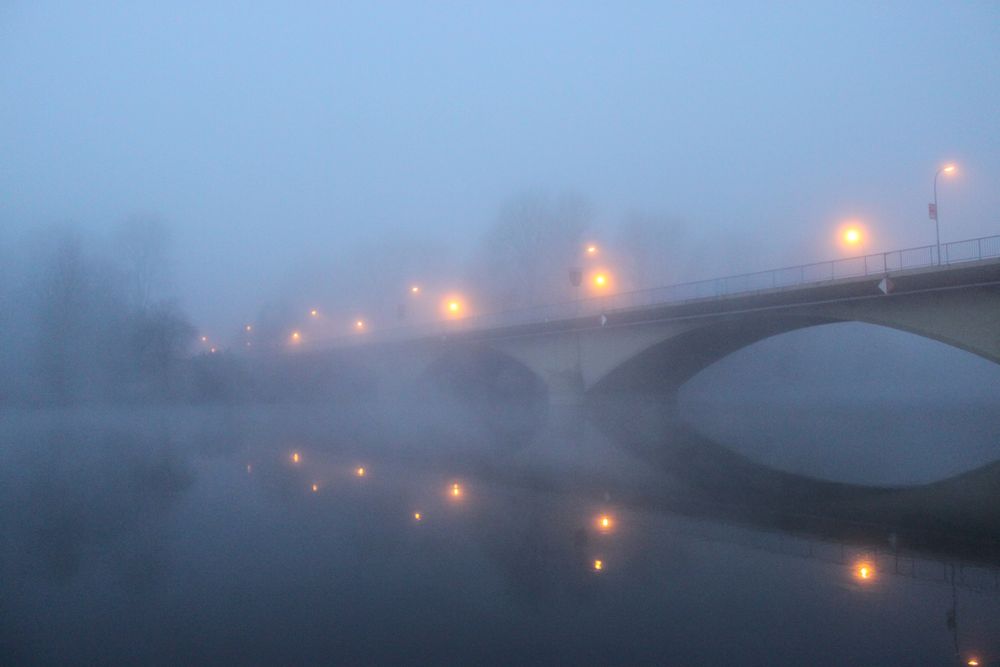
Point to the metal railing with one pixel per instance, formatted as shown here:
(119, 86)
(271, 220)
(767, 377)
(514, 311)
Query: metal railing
(818, 273)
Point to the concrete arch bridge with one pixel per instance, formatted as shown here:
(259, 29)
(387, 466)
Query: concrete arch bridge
(654, 349)
(643, 351)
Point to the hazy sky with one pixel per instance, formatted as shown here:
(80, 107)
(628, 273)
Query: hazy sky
(269, 137)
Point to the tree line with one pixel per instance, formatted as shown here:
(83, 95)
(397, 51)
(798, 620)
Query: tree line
(86, 319)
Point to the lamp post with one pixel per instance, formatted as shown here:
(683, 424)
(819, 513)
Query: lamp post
(947, 169)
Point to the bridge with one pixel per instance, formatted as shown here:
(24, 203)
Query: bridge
(624, 357)
(652, 341)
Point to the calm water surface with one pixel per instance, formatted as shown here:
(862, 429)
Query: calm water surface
(251, 537)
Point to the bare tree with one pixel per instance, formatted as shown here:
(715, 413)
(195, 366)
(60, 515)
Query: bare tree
(525, 256)
(142, 242)
(650, 250)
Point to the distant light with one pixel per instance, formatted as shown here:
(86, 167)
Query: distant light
(605, 523)
(974, 662)
(360, 472)
(949, 169)
(600, 280)
(417, 516)
(852, 235)
(415, 289)
(204, 339)
(598, 565)
(315, 488)
(295, 457)
(248, 328)
(249, 468)
(314, 312)
(865, 571)
(456, 490)
(212, 350)
(296, 337)
(248, 343)
(360, 324)
(592, 250)
(453, 306)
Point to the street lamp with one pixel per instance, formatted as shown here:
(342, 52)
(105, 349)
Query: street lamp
(852, 235)
(933, 208)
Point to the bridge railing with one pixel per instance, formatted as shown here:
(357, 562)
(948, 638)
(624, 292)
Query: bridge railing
(878, 264)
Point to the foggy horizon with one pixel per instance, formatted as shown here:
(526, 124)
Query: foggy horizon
(273, 144)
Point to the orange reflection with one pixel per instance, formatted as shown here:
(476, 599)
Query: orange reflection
(605, 523)
(295, 457)
(315, 488)
(864, 571)
(417, 516)
(455, 491)
(598, 565)
(360, 471)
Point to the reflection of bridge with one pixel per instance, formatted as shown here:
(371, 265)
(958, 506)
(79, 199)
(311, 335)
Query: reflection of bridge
(652, 341)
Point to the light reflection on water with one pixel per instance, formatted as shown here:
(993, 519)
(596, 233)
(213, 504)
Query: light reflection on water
(145, 547)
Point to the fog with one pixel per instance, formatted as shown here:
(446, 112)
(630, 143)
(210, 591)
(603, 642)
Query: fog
(246, 415)
(276, 143)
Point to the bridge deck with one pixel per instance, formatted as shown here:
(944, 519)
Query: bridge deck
(964, 263)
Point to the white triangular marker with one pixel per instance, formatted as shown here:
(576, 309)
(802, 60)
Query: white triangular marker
(886, 285)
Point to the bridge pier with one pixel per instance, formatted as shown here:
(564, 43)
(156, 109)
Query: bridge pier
(565, 387)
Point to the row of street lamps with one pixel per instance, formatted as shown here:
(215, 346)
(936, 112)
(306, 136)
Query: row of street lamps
(453, 306)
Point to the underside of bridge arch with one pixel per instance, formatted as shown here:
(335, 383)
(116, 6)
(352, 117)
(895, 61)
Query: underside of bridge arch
(502, 391)
(663, 367)
(478, 371)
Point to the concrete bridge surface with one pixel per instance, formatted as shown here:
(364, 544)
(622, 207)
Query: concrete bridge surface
(655, 348)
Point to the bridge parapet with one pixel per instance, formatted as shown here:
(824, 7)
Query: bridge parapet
(845, 270)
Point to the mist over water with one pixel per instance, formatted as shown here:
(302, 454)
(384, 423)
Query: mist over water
(193, 536)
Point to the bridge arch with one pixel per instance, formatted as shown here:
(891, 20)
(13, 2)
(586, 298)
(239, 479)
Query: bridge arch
(500, 390)
(663, 366)
(479, 371)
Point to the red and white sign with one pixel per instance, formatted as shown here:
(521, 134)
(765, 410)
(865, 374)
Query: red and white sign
(932, 211)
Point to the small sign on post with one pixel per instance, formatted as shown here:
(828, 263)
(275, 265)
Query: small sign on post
(932, 211)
